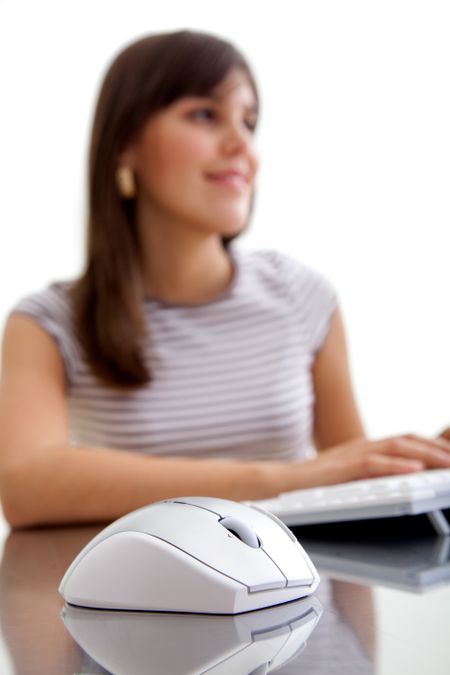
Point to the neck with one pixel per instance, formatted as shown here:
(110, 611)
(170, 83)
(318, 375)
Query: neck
(182, 265)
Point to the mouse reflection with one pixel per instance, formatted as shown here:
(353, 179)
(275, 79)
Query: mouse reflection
(254, 642)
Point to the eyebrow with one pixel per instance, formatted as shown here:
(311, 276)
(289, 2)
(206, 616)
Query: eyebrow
(254, 108)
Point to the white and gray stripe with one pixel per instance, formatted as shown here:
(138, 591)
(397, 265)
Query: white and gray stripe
(231, 378)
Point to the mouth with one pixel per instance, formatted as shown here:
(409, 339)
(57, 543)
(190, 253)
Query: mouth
(232, 179)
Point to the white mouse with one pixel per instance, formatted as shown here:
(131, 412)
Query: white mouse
(191, 554)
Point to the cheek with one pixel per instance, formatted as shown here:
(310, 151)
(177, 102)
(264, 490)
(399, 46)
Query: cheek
(167, 157)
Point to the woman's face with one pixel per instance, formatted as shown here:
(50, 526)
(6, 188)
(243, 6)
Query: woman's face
(195, 161)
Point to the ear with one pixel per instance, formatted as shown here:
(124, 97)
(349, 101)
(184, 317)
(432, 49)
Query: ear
(125, 159)
(128, 156)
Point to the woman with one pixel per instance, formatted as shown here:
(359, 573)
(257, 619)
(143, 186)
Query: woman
(212, 368)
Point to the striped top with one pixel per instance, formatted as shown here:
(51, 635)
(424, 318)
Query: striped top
(230, 378)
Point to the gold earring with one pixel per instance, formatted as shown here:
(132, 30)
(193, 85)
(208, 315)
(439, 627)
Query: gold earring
(126, 183)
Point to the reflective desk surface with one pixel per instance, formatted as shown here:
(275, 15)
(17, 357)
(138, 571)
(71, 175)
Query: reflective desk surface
(383, 606)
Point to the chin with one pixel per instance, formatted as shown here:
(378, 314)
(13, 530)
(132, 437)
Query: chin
(224, 222)
(234, 225)
(232, 230)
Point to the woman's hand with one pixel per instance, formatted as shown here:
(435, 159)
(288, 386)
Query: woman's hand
(445, 434)
(344, 452)
(360, 458)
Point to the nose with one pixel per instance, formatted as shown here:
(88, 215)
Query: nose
(237, 139)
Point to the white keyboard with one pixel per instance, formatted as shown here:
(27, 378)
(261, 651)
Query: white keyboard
(407, 494)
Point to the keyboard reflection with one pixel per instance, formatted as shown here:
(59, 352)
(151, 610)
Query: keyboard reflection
(412, 564)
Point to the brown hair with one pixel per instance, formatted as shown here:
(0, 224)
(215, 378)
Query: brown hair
(147, 76)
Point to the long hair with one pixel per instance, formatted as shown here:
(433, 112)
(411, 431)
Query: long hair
(146, 77)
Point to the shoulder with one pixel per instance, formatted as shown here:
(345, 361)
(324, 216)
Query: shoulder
(290, 275)
(52, 310)
(305, 292)
(53, 301)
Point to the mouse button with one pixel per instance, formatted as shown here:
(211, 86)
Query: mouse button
(295, 564)
(276, 540)
(197, 531)
(292, 560)
(285, 551)
(139, 520)
(148, 519)
(277, 521)
(168, 520)
(200, 534)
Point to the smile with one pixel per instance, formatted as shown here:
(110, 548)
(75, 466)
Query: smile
(230, 179)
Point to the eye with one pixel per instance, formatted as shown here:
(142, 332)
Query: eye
(251, 123)
(202, 114)
(211, 114)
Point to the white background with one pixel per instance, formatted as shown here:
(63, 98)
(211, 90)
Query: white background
(355, 146)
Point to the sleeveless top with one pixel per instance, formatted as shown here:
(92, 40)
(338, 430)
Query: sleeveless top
(230, 379)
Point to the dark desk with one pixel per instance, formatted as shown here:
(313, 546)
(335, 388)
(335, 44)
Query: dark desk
(381, 608)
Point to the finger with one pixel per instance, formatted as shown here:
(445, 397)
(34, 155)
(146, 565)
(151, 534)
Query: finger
(433, 456)
(438, 442)
(376, 465)
(369, 465)
(445, 434)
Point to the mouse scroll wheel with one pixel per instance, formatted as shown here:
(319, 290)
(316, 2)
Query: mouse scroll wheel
(241, 530)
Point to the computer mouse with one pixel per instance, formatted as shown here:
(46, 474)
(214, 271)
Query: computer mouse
(191, 554)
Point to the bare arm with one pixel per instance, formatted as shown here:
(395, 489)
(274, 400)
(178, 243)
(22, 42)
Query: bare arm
(336, 416)
(345, 452)
(43, 479)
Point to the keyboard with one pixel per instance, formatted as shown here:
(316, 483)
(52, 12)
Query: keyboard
(401, 495)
